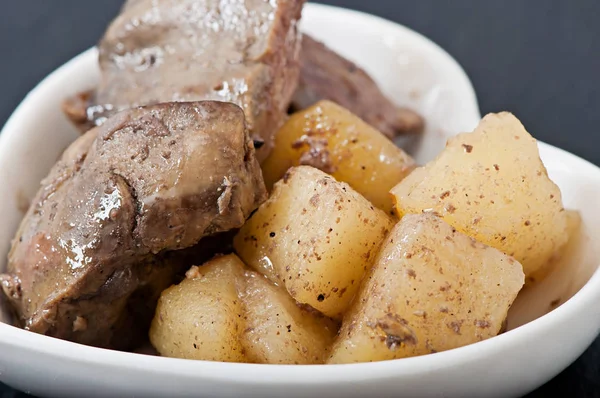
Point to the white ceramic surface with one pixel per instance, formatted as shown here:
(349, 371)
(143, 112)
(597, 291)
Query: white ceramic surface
(410, 69)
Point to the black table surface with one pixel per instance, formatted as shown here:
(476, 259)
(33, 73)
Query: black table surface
(539, 59)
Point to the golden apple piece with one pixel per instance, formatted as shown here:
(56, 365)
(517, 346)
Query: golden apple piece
(315, 236)
(332, 139)
(492, 185)
(431, 289)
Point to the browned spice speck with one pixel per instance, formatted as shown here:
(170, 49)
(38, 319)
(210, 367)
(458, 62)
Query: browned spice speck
(455, 326)
(298, 144)
(314, 200)
(482, 324)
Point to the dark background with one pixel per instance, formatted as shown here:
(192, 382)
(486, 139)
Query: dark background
(538, 58)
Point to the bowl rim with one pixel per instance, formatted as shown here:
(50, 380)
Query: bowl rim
(261, 374)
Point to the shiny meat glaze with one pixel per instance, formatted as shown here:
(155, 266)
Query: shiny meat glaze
(241, 51)
(325, 75)
(149, 180)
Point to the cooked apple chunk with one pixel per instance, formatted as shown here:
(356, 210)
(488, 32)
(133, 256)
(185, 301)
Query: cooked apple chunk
(315, 236)
(492, 185)
(332, 139)
(200, 317)
(222, 311)
(277, 330)
(431, 289)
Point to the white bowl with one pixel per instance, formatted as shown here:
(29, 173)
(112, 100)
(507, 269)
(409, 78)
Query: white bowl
(410, 69)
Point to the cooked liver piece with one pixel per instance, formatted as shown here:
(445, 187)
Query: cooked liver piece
(148, 181)
(326, 75)
(242, 51)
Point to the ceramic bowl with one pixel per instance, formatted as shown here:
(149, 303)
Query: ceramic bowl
(550, 325)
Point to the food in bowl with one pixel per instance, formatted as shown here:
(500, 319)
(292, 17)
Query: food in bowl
(142, 227)
(223, 311)
(324, 74)
(329, 137)
(315, 236)
(431, 289)
(247, 52)
(148, 181)
(500, 195)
